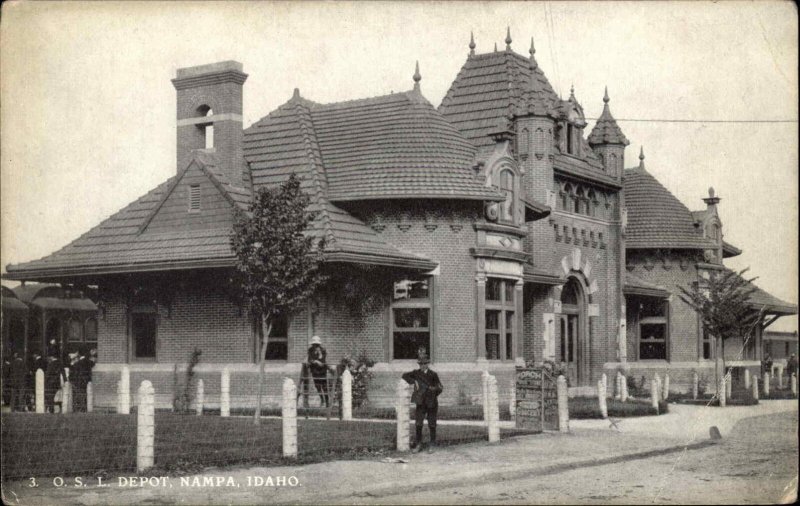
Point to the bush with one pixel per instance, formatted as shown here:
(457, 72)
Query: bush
(581, 408)
(182, 395)
(360, 370)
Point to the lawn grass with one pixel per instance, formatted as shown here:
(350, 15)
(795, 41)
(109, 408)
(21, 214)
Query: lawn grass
(581, 408)
(91, 443)
(457, 412)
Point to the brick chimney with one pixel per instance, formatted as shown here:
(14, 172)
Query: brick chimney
(209, 116)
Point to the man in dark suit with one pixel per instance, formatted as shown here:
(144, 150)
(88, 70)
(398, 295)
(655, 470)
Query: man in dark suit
(18, 373)
(427, 388)
(53, 378)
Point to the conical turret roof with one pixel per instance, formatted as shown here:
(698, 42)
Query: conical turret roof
(606, 130)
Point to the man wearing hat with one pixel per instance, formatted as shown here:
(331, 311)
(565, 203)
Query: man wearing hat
(319, 369)
(427, 388)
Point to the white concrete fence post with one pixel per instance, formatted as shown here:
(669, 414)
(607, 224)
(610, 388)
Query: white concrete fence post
(39, 391)
(66, 397)
(200, 398)
(563, 404)
(665, 390)
(747, 379)
(657, 381)
(145, 427)
(494, 412)
(225, 393)
(729, 383)
(485, 396)
(601, 399)
(794, 384)
(780, 377)
(512, 399)
(289, 418)
(624, 396)
(755, 387)
(402, 413)
(119, 396)
(125, 391)
(604, 379)
(722, 392)
(766, 384)
(617, 387)
(89, 397)
(695, 385)
(654, 394)
(347, 395)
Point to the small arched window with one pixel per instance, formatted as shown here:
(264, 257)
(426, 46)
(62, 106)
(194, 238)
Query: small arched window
(612, 164)
(90, 330)
(507, 187)
(566, 198)
(591, 203)
(207, 128)
(579, 200)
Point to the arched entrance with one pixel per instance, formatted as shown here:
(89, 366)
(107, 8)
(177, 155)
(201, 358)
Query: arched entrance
(573, 351)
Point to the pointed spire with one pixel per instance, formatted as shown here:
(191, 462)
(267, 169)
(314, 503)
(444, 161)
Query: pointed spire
(417, 77)
(641, 157)
(508, 38)
(495, 47)
(471, 43)
(532, 52)
(605, 96)
(572, 92)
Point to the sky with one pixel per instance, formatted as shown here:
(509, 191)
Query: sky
(87, 122)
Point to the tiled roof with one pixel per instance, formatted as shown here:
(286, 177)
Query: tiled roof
(393, 146)
(656, 219)
(606, 130)
(761, 299)
(638, 286)
(491, 86)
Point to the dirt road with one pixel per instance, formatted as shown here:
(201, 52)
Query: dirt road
(756, 464)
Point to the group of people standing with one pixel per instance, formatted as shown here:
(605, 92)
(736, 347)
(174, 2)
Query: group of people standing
(19, 378)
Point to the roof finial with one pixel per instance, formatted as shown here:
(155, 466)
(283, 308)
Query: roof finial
(471, 43)
(711, 191)
(605, 96)
(417, 77)
(296, 93)
(508, 38)
(641, 157)
(572, 92)
(495, 47)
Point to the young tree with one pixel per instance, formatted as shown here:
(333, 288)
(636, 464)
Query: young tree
(277, 260)
(723, 303)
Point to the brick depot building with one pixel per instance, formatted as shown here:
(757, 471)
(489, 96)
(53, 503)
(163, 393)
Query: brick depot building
(492, 230)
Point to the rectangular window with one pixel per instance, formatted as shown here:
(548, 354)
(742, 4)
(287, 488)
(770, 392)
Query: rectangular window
(143, 332)
(194, 198)
(411, 317)
(499, 328)
(278, 342)
(652, 329)
(708, 345)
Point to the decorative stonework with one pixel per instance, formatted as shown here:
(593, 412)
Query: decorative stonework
(456, 227)
(404, 226)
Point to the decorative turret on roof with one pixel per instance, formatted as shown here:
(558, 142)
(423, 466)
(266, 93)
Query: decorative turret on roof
(606, 130)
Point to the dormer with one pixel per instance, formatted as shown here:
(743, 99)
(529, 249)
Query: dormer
(572, 121)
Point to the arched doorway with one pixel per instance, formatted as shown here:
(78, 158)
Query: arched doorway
(572, 333)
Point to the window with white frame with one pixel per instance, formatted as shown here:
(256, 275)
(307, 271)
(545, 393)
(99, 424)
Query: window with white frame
(278, 342)
(653, 329)
(500, 326)
(411, 317)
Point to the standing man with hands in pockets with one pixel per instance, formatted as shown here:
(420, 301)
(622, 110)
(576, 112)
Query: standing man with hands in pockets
(427, 388)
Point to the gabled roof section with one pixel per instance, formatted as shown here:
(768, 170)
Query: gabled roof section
(207, 163)
(729, 250)
(606, 130)
(392, 146)
(492, 86)
(656, 219)
(116, 245)
(770, 304)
